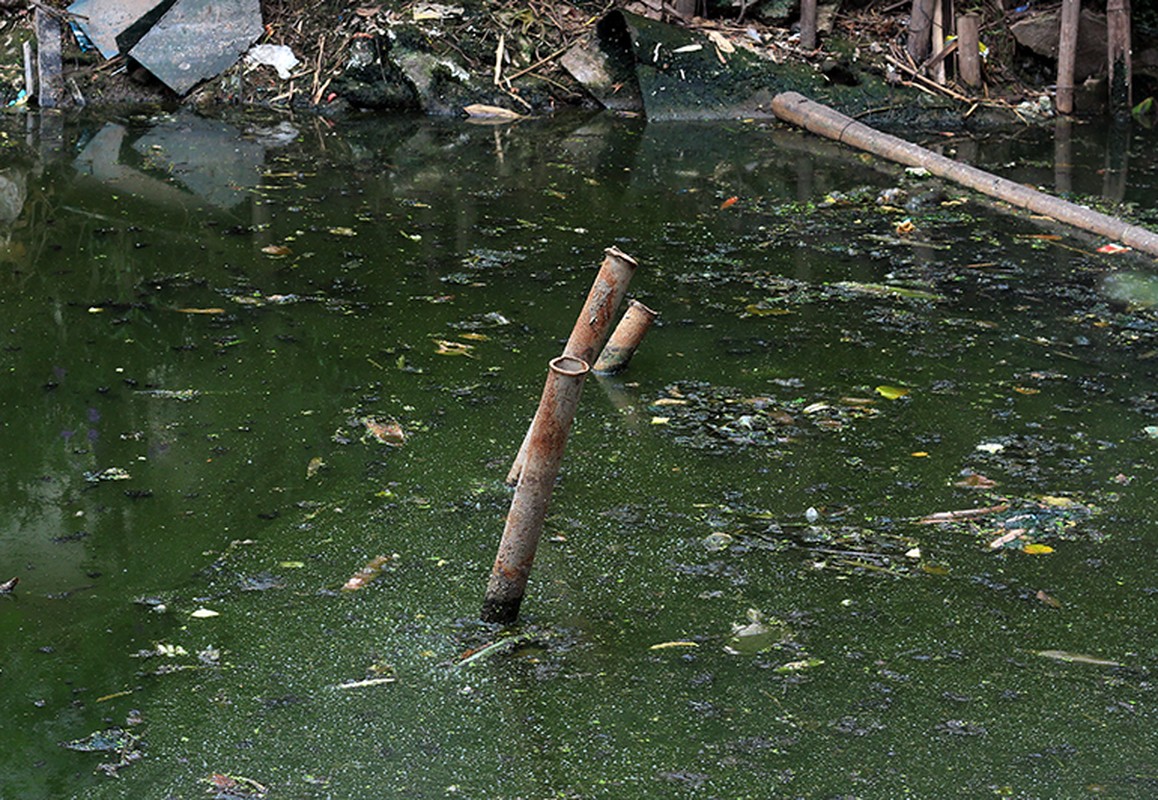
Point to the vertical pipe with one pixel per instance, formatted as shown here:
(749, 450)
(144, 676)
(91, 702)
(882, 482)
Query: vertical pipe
(969, 50)
(592, 326)
(626, 338)
(548, 438)
(808, 24)
(1067, 54)
(1118, 56)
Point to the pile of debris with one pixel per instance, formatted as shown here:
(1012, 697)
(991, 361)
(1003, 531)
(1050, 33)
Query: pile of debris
(651, 57)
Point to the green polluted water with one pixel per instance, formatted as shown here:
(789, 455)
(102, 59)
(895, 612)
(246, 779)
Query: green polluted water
(869, 514)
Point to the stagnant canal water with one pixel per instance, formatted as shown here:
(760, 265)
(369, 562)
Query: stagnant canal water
(244, 361)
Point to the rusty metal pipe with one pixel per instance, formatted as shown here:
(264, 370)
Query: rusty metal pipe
(548, 438)
(626, 338)
(592, 327)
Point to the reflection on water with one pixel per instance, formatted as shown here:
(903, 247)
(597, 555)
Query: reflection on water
(199, 315)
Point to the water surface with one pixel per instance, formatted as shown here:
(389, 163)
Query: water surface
(201, 316)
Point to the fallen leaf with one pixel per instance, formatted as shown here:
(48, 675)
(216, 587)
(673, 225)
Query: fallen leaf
(891, 392)
(387, 432)
(721, 42)
(1045, 598)
(276, 250)
(447, 348)
(1076, 658)
(368, 573)
(976, 480)
(204, 613)
(316, 463)
(731, 201)
(666, 645)
(483, 111)
(1036, 549)
(200, 310)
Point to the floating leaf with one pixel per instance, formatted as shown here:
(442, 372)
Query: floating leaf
(292, 564)
(204, 613)
(200, 310)
(731, 201)
(343, 232)
(388, 432)
(368, 573)
(666, 645)
(905, 227)
(1037, 549)
(976, 480)
(316, 463)
(483, 111)
(276, 250)
(447, 348)
(891, 392)
(1076, 658)
(797, 666)
(1045, 598)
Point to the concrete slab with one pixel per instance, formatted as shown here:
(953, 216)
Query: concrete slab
(198, 39)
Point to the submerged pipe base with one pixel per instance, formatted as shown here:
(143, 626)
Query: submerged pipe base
(503, 612)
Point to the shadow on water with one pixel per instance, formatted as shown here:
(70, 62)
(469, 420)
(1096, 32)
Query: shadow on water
(264, 379)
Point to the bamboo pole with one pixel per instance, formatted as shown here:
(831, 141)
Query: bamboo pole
(820, 119)
(1067, 54)
(524, 525)
(592, 327)
(937, 70)
(1118, 56)
(969, 50)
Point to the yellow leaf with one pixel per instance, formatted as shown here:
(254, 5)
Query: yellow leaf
(666, 645)
(200, 310)
(919, 454)
(276, 250)
(891, 392)
(1057, 501)
(1037, 549)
